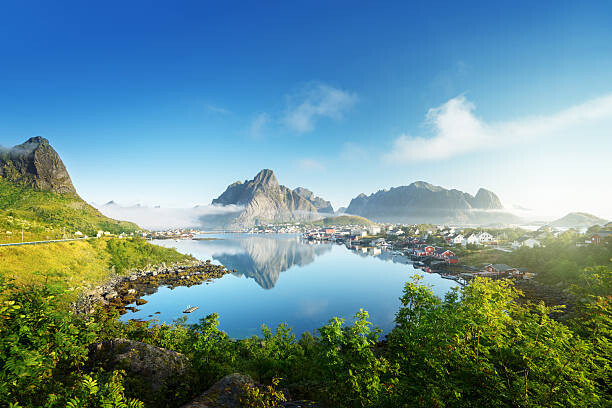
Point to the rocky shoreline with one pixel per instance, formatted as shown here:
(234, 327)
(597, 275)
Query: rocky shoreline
(120, 291)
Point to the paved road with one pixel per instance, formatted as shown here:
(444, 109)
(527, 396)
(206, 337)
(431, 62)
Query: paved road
(42, 242)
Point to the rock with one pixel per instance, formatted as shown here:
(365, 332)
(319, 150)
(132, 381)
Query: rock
(225, 393)
(155, 366)
(423, 202)
(264, 200)
(35, 163)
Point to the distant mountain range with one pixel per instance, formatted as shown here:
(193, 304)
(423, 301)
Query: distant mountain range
(578, 220)
(31, 168)
(421, 202)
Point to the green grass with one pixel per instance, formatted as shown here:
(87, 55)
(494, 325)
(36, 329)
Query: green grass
(47, 215)
(80, 264)
(343, 220)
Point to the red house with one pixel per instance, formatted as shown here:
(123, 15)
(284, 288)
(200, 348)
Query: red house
(451, 260)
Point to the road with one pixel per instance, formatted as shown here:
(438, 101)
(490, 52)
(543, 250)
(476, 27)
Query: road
(42, 242)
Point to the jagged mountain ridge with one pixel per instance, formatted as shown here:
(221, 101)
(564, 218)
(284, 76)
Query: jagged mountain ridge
(36, 164)
(266, 201)
(323, 206)
(424, 202)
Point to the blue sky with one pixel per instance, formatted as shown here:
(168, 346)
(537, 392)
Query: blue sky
(165, 103)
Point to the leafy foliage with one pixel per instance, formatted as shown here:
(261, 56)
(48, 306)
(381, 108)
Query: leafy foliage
(479, 346)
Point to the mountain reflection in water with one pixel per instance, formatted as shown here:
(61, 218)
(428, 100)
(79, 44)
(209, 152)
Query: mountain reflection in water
(259, 257)
(319, 282)
(263, 258)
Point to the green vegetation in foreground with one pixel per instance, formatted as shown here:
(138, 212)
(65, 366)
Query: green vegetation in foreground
(78, 264)
(477, 347)
(47, 215)
(342, 220)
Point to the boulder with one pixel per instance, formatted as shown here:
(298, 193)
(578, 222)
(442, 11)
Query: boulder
(155, 366)
(225, 393)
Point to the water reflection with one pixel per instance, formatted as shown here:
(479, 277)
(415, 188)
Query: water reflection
(318, 282)
(258, 257)
(263, 258)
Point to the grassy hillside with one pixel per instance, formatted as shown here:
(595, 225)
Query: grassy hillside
(48, 215)
(77, 264)
(343, 220)
(578, 220)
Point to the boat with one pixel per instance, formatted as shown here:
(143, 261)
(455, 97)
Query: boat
(190, 309)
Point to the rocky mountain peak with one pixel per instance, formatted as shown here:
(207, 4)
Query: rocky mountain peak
(487, 200)
(266, 177)
(265, 200)
(36, 164)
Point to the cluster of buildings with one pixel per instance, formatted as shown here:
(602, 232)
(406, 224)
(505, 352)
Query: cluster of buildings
(453, 237)
(173, 234)
(424, 251)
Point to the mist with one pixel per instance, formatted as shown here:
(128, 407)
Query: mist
(157, 218)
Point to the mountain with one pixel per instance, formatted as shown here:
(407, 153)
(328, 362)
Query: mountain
(322, 205)
(36, 164)
(266, 201)
(578, 220)
(421, 202)
(36, 192)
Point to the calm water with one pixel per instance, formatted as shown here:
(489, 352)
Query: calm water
(281, 278)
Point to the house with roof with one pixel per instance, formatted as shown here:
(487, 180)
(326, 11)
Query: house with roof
(451, 260)
(501, 269)
(471, 240)
(601, 236)
(485, 237)
(457, 239)
(526, 242)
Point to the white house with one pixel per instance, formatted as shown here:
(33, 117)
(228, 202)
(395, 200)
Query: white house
(526, 242)
(471, 240)
(374, 229)
(458, 239)
(485, 237)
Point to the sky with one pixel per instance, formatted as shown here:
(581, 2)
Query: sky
(166, 103)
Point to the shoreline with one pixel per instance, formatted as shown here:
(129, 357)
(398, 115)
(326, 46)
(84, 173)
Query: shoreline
(117, 292)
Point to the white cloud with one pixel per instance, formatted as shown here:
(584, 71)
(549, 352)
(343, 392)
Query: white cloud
(315, 101)
(311, 165)
(456, 130)
(217, 109)
(258, 125)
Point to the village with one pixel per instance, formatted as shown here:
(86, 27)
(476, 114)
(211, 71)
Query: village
(438, 249)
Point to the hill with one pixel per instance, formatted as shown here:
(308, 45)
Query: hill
(343, 220)
(578, 220)
(421, 202)
(37, 195)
